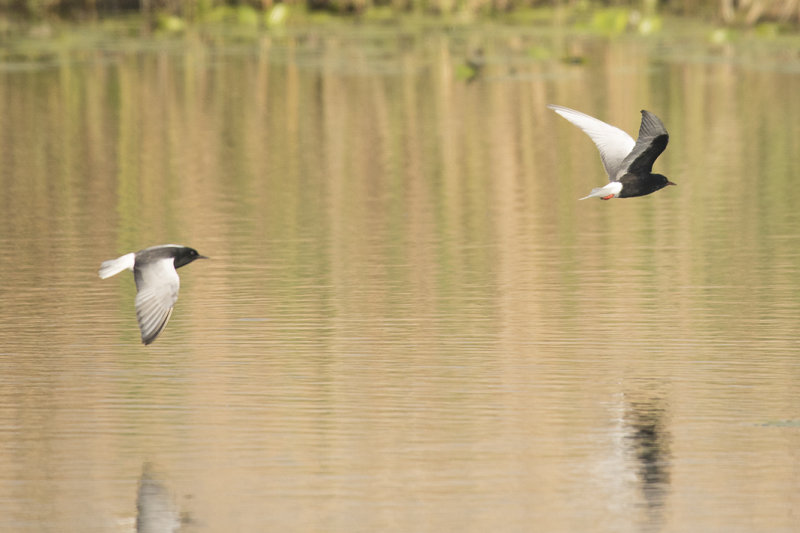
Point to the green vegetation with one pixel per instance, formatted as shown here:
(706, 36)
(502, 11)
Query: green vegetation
(608, 16)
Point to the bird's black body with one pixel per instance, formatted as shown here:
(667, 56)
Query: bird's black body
(639, 179)
(641, 185)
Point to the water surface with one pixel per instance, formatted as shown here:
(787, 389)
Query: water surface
(409, 322)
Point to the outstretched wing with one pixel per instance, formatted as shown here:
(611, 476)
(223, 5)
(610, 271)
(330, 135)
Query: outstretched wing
(653, 139)
(157, 285)
(613, 143)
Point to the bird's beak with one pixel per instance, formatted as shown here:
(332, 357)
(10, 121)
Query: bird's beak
(670, 183)
(204, 257)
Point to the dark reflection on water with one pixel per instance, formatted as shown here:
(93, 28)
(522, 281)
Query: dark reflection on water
(409, 322)
(647, 426)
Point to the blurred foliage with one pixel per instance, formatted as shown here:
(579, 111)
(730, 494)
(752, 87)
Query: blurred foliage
(611, 17)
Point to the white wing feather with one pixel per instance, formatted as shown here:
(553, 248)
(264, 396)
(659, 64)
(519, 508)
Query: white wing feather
(158, 285)
(613, 143)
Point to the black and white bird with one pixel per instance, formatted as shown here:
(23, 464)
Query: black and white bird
(629, 163)
(157, 282)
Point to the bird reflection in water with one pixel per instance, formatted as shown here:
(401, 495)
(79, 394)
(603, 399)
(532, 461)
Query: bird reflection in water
(155, 510)
(648, 442)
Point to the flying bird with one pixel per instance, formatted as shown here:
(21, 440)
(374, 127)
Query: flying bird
(157, 282)
(629, 163)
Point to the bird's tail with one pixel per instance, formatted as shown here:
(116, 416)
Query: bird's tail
(115, 266)
(612, 189)
(597, 192)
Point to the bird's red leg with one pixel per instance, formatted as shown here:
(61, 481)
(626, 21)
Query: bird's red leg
(609, 197)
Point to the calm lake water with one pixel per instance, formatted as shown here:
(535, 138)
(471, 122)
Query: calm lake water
(409, 323)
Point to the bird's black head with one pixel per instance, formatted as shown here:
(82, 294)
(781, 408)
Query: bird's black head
(186, 255)
(661, 181)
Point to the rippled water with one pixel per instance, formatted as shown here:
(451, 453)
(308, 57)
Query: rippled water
(409, 323)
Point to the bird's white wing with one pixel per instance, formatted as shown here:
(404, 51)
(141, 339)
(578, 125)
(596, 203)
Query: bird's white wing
(157, 284)
(613, 143)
